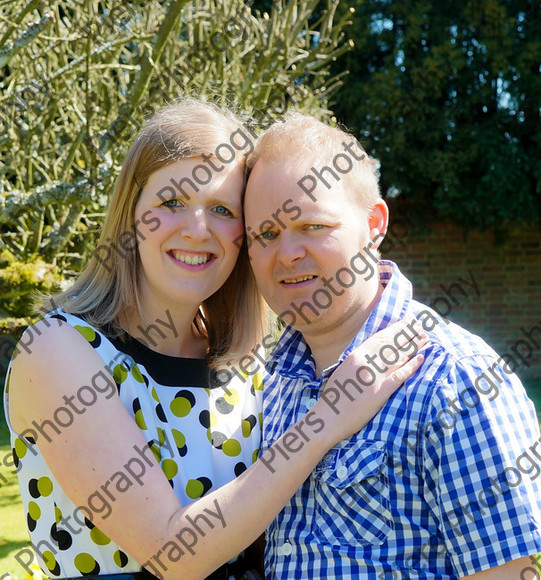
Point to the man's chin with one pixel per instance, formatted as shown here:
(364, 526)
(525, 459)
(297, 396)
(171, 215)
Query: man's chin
(300, 314)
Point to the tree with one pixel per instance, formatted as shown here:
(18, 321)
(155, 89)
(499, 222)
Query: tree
(446, 95)
(79, 77)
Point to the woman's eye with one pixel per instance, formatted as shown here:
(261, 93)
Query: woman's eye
(172, 203)
(315, 227)
(222, 210)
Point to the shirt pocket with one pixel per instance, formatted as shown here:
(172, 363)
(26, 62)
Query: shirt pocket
(352, 505)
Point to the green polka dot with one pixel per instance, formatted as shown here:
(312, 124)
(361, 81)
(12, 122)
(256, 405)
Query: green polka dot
(257, 381)
(120, 373)
(161, 435)
(98, 537)
(45, 486)
(34, 511)
(156, 451)
(136, 373)
(120, 558)
(232, 397)
(180, 439)
(213, 419)
(140, 420)
(20, 448)
(87, 332)
(260, 419)
(170, 468)
(154, 395)
(254, 455)
(231, 447)
(194, 489)
(246, 428)
(49, 559)
(180, 407)
(85, 563)
(58, 514)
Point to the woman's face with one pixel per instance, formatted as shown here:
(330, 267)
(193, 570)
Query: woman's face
(188, 217)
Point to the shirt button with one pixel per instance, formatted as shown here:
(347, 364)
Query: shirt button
(286, 549)
(311, 402)
(342, 472)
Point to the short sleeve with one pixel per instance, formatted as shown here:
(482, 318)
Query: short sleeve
(482, 465)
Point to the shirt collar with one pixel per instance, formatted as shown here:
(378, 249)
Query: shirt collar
(292, 356)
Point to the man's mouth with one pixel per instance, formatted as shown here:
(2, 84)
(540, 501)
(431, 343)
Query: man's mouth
(298, 279)
(190, 259)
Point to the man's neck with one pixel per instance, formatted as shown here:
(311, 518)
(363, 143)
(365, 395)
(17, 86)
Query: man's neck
(330, 343)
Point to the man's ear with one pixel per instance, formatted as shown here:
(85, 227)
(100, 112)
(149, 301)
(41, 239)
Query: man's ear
(378, 220)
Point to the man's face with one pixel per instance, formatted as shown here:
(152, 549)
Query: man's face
(308, 253)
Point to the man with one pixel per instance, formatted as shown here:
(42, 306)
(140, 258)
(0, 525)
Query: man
(445, 481)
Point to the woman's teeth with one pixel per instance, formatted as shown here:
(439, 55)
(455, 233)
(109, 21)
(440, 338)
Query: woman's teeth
(192, 260)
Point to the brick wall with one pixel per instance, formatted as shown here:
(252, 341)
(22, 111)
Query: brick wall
(444, 264)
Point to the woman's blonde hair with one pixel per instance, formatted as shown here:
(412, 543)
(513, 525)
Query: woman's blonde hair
(233, 318)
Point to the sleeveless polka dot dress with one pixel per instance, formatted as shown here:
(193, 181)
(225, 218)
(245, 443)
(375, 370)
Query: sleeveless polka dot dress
(202, 435)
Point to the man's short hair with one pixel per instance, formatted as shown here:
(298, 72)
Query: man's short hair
(306, 140)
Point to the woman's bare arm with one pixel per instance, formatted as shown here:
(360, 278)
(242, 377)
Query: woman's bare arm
(144, 518)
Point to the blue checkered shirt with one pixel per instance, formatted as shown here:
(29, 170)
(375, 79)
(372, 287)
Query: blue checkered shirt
(444, 482)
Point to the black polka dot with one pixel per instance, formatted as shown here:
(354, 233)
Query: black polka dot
(188, 395)
(248, 425)
(30, 522)
(55, 571)
(136, 405)
(160, 413)
(206, 483)
(59, 317)
(61, 537)
(204, 419)
(33, 488)
(120, 558)
(217, 439)
(240, 468)
(223, 407)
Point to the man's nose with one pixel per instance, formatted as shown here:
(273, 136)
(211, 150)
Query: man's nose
(290, 248)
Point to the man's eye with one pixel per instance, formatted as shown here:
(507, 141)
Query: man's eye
(222, 210)
(315, 227)
(268, 235)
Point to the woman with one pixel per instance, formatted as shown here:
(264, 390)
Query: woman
(157, 468)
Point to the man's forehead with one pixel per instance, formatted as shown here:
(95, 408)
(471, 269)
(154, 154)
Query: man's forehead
(282, 163)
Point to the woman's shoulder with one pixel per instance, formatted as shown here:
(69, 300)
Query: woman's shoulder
(57, 331)
(52, 358)
(58, 346)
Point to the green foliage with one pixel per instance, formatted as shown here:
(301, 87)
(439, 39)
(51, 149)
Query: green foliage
(19, 279)
(446, 95)
(78, 78)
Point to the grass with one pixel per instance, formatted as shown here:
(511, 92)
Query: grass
(13, 534)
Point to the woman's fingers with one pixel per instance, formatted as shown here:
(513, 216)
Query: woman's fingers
(390, 348)
(402, 374)
(360, 386)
